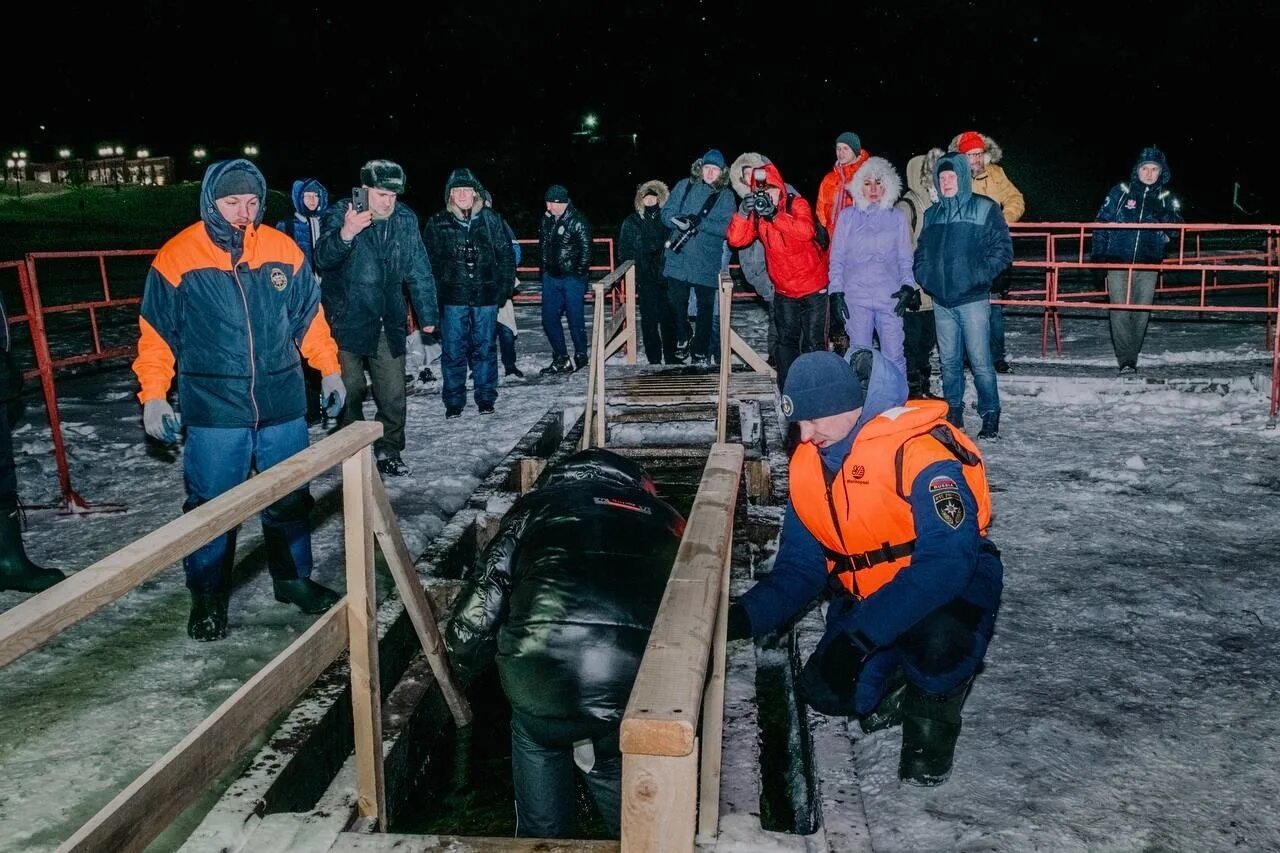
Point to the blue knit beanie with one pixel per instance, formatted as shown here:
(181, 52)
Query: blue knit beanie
(713, 157)
(852, 140)
(820, 384)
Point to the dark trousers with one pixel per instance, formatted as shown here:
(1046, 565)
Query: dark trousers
(921, 338)
(507, 347)
(386, 381)
(544, 760)
(311, 379)
(801, 326)
(563, 296)
(678, 296)
(657, 323)
(466, 341)
(8, 471)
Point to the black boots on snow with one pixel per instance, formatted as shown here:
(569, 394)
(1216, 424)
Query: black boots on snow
(955, 414)
(557, 365)
(889, 712)
(930, 728)
(208, 619)
(990, 426)
(17, 572)
(309, 596)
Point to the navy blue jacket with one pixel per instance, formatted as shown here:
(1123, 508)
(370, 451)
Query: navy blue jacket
(1134, 201)
(946, 564)
(965, 242)
(304, 227)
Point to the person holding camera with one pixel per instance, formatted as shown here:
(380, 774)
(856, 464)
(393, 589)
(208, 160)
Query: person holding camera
(991, 181)
(565, 240)
(698, 213)
(370, 251)
(871, 283)
(783, 223)
(228, 306)
(470, 249)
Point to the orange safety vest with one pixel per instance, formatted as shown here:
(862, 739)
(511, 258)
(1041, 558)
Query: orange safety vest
(863, 520)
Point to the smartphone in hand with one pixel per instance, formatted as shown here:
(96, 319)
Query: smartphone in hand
(359, 199)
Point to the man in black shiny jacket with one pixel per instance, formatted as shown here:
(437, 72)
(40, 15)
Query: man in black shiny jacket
(566, 264)
(565, 599)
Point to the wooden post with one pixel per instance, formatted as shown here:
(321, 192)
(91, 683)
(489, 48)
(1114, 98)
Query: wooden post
(383, 520)
(629, 292)
(362, 627)
(659, 795)
(598, 359)
(713, 714)
(726, 354)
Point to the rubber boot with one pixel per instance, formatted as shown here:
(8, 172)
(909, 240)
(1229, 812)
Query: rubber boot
(17, 572)
(889, 712)
(930, 728)
(307, 595)
(208, 619)
(990, 425)
(955, 414)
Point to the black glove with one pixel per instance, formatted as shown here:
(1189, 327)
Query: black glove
(1003, 284)
(769, 210)
(739, 623)
(908, 300)
(861, 361)
(837, 306)
(746, 207)
(841, 665)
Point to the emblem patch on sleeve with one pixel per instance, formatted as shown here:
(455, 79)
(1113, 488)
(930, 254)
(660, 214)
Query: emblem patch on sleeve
(278, 279)
(946, 501)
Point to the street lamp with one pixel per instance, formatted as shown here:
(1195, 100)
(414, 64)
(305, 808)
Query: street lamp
(250, 150)
(17, 163)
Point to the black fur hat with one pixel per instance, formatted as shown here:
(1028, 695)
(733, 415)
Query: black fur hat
(383, 175)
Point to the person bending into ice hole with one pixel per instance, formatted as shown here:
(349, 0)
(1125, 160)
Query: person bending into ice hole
(565, 598)
(888, 514)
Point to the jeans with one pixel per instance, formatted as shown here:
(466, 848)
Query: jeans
(885, 324)
(217, 459)
(466, 341)
(386, 372)
(1129, 328)
(966, 329)
(507, 346)
(543, 761)
(564, 295)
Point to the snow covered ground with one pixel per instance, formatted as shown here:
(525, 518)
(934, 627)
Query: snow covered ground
(1128, 698)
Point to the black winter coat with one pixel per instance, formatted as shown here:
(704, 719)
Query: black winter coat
(568, 591)
(566, 244)
(364, 281)
(641, 240)
(475, 264)
(1134, 201)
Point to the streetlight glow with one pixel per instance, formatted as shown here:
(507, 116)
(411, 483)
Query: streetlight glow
(250, 150)
(143, 153)
(590, 120)
(64, 153)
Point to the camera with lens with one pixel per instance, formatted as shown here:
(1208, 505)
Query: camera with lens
(677, 242)
(470, 256)
(761, 203)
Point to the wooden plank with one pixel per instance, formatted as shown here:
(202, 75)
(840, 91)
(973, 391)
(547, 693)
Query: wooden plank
(713, 717)
(665, 703)
(722, 393)
(362, 627)
(629, 289)
(597, 369)
(659, 796)
(759, 478)
(140, 812)
(750, 356)
(42, 616)
(383, 520)
(351, 842)
(527, 472)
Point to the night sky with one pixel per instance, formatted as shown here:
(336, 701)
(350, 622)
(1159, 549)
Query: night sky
(1071, 92)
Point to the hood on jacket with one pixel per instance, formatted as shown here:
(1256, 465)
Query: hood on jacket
(991, 152)
(1151, 154)
(463, 177)
(960, 163)
(695, 174)
(223, 234)
(598, 464)
(920, 174)
(885, 388)
(304, 185)
(658, 187)
(774, 178)
(876, 168)
(751, 159)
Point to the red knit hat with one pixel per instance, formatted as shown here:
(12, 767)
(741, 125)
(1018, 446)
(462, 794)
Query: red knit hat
(970, 140)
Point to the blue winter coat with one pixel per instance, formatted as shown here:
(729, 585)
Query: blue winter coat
(965, 242)
(304, 227)
(1134, 201)
(699, 260)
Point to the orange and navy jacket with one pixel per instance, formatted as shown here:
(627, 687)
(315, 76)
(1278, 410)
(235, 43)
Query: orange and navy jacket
(231, 310)
(796, 265)
(832, 195)
(899, 531)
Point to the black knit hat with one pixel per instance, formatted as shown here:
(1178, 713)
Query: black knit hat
(383, 175)
(556, 192)
(821, 384)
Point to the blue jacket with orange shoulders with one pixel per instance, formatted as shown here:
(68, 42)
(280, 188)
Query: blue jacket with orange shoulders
(231, 310)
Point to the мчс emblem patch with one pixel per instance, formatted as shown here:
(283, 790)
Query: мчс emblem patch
(278, 279)
(787, 406)
(946, 501)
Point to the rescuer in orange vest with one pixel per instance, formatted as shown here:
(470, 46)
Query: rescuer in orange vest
(888, 515)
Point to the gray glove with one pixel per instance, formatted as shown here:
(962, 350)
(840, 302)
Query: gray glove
(684, 223)
(161, 422)
(333, 394)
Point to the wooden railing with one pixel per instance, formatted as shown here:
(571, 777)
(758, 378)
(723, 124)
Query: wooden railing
(662, 801)
(144, 808)
(606, 339)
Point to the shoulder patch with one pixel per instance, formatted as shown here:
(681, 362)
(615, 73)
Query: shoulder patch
(938, 484)
(947, 504)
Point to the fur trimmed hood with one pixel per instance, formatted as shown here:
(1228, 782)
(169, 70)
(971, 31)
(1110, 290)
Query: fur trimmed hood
(749, 159)
(658, 187)
(992, 153)
(920, 173)
(695, 173)
(876, 168)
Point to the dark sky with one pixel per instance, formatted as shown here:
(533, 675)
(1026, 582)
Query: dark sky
(1072, 92)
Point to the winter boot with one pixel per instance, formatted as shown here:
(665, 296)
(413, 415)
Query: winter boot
(17, 572)
(955, 414)
(309, 596)
(208, 619)
(560, 364)
(581, 360)
(990, 425)
(930, 728)
(889, 712)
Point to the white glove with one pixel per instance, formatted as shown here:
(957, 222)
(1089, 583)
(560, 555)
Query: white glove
(160, 421)
(333, 394)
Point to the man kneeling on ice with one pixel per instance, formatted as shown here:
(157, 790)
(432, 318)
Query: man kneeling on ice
(888, 514)
(566, 596)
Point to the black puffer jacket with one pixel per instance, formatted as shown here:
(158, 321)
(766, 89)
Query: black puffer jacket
(643, 235)
(364, 281)
(566, 244)
(568, 591)
(472, 256)
(1134, 201)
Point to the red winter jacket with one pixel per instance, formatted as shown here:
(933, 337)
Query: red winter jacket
(795, 262)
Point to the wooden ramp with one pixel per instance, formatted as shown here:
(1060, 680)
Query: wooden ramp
(674, 387)
(351, 842)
